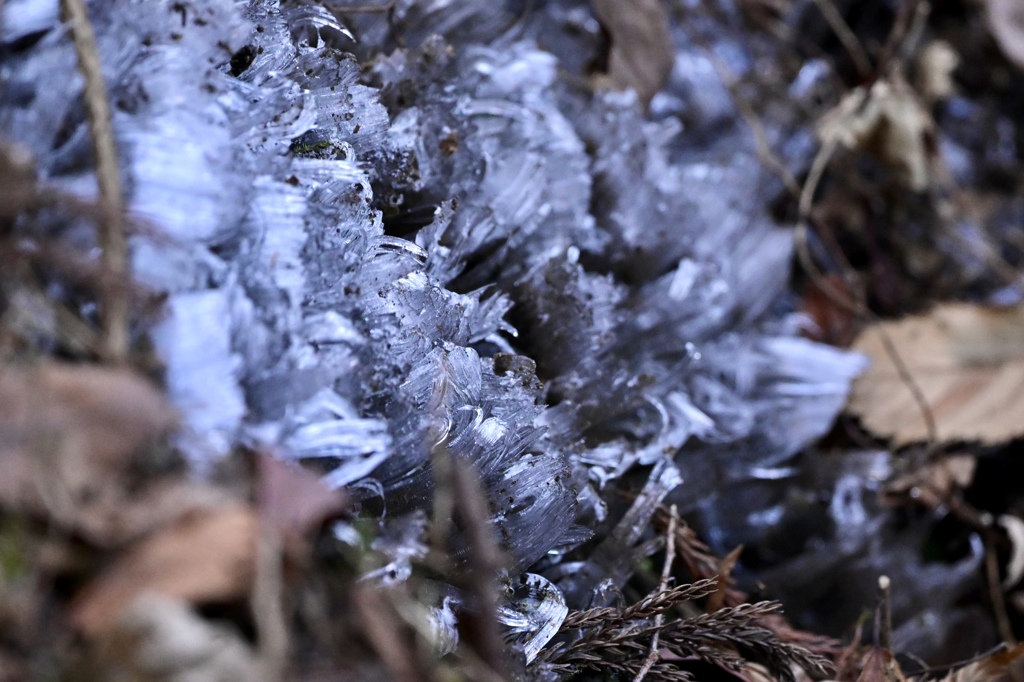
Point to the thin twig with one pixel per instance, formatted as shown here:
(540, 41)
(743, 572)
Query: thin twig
(883, 615)
(384, 631)
(856, 306)
(474, 668)
(911, 13)
(114, 307)
(846, 36)
(515, 27)
(932, 670)
(484, 561)
(362, 9)
(699, 560)
(918, 24)
(666, 571)
(268, 608)
(995, 590)
(443, 472)
(670, 547)
(764, 150)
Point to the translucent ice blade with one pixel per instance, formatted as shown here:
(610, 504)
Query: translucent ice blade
(533, 613)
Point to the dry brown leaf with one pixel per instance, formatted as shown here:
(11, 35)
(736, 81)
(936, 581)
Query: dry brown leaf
(160, 639)
(1006, 24)
(887, 121)
(880, 666)
(968, 362)
(640, 56)
(207, 556)
(67, 431)
(702, 564)
(725, 567)
(123, 516)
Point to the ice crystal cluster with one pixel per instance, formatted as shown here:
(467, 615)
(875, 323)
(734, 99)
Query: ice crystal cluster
(382, 233)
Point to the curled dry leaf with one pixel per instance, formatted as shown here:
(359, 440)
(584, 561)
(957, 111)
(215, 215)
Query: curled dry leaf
(887, 121)
(68, 431)
(640, 56)
(207, 556)
(1006, 23)
(967, 361)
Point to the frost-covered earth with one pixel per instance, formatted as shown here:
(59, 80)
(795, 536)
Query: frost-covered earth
(383, 234)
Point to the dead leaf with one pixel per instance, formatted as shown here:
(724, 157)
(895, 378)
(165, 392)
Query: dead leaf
(717, 598)
(294, 501)
(968, 362)
(831, 323)
(67, 431)
(123, 516)
(161, 639)
(640, 56)
(1006, 24)
(702, 564)
(880, 666)
(208, 556)
(887, 121)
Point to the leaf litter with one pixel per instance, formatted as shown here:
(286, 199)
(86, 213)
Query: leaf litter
(640, 55)
(205, 557)
(968, 361)
(70, 435)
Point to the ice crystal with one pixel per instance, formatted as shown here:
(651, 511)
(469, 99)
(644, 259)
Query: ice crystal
(443, 243)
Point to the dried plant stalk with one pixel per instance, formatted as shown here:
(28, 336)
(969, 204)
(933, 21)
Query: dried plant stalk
(112, 238)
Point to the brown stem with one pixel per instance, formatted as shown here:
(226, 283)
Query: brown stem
(666, 571)
(883, 615)
(114, 305)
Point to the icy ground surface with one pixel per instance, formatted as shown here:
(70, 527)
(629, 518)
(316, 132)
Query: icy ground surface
(370, 250)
